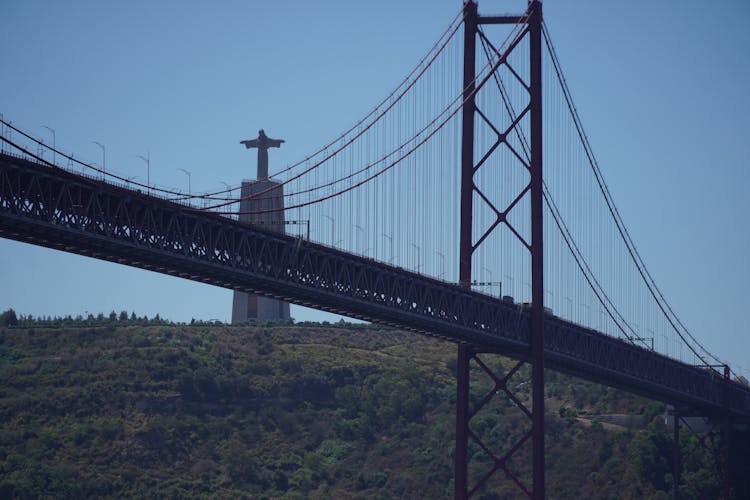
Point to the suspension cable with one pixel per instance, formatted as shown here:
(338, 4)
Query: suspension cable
(661, 302)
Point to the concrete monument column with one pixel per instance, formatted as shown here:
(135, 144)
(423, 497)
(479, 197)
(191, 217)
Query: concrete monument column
(261, 205)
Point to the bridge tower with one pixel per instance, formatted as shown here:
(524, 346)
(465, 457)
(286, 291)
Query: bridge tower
(261, 204)
(470, 164)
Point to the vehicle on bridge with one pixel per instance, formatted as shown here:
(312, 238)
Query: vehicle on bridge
(547, 310)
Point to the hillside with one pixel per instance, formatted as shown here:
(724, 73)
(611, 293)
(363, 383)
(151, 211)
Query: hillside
(110, 408)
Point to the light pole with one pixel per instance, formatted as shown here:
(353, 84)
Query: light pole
(489, 279)
(416, 247)
(228, 196)
(510, 278)
(390, 238)
(147, 159)
(190, 190)
(54, 147)
(652, 338)
(360, 229)
(104, 157)
(442, 264)
(586, 310)
(332, 226)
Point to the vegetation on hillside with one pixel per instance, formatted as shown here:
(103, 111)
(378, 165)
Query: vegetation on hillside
(119, 409)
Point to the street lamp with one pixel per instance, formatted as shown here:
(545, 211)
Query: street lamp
(390, 238)
(54, 147)
(147, 159)
(104, 157)
(190, 190)
(332, 226)
(442, 263)
(489, 280)
(586, 314)
(362, 230)
(228, 196)
(416, 247)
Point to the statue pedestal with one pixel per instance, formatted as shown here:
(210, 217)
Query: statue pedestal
(250, 307)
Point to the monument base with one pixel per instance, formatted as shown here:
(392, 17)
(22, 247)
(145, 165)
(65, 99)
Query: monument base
(250, 307)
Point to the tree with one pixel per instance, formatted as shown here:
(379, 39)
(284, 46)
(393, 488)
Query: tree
(8, 318)
(649, 453)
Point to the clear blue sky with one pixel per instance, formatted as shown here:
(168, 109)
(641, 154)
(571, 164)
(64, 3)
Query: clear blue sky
(662, 89)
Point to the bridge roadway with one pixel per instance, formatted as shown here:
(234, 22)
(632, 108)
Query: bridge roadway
(57, 209)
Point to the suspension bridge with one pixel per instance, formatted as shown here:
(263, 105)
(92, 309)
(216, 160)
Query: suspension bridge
(466, 205)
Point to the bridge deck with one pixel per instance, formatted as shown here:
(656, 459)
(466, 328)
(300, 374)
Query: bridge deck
(57, 209)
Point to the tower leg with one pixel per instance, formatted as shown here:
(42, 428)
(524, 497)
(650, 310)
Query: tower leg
(537, 252)
(461, 460)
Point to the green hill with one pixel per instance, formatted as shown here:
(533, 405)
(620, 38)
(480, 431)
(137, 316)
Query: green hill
(112, 409)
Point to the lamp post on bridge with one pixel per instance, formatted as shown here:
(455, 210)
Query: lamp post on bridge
(509, 278)
(54, 146)
(228, 194)
(104, 157)
(190, 190)
(147, 159)
(332, 226)
(586, 311)
(489, 279)
(442, 264)
(416, 247)
(390, 238)
(362, 230)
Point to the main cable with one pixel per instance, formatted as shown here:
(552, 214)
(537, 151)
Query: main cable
(622, 229)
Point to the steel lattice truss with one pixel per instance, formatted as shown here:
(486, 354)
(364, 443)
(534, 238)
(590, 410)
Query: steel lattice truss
(57, 209)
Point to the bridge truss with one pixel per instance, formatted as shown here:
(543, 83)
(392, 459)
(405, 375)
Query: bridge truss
(51, 207)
